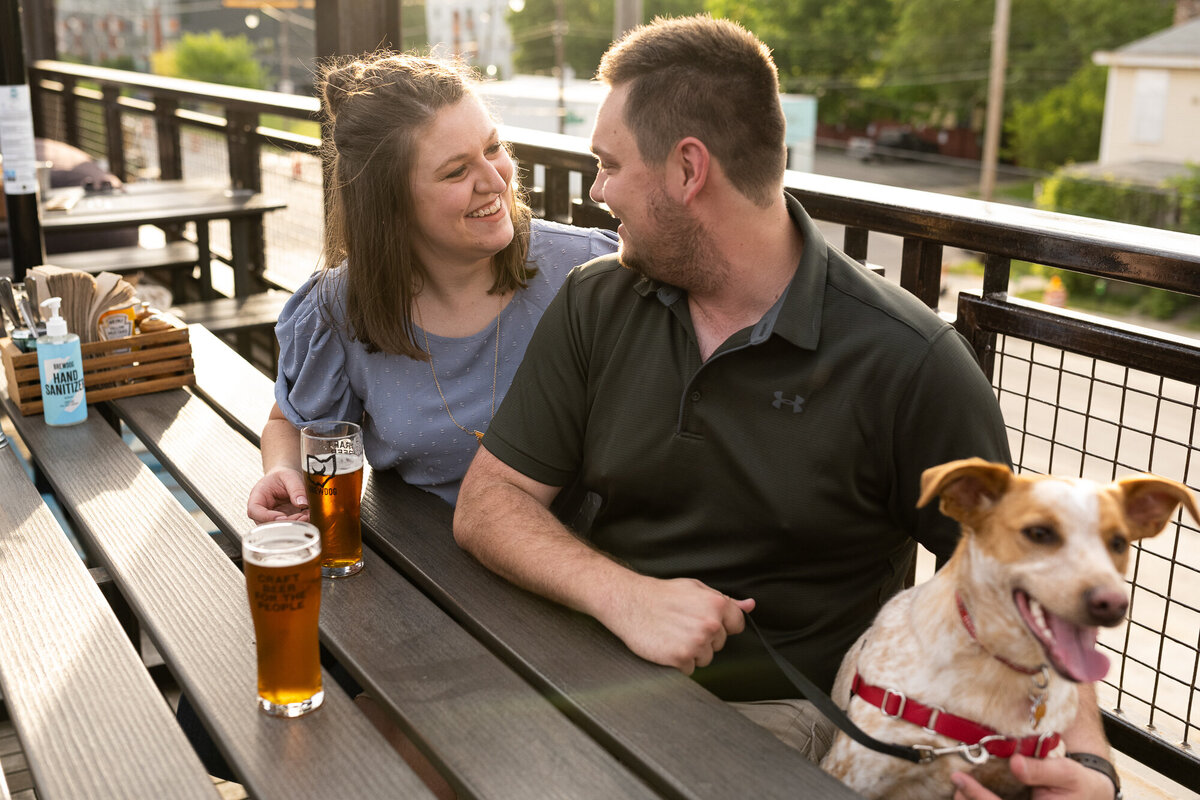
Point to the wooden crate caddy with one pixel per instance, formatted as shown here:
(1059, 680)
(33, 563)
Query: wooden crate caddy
(153, 362)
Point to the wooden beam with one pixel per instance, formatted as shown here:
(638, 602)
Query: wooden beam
(349, 27)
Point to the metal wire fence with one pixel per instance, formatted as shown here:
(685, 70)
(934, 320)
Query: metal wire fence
(1070, 414)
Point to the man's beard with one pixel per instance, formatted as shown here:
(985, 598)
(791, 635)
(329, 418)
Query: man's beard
(679, 251)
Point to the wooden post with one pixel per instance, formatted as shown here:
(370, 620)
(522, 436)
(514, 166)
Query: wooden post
(349, 27)
(114, 132)
(20, 193)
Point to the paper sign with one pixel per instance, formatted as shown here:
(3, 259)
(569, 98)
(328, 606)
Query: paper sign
(16, 140)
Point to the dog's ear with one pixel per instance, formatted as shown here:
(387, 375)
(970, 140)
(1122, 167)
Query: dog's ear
(965, 486)
(1150, 502)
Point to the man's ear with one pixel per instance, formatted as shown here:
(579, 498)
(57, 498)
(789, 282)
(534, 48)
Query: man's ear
(692, 161)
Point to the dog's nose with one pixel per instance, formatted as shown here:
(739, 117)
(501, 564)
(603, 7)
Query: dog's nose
(1106, 606)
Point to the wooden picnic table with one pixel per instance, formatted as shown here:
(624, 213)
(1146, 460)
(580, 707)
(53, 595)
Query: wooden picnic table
(507, 694)
(163, 203)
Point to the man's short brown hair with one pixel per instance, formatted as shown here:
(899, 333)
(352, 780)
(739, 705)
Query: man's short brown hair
(708, 78)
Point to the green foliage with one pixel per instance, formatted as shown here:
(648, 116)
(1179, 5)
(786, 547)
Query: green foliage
(822, 48)
(1187, 189)
(1120, 201)
(938, 56)
(124, 62)
(1174, 205)
(412, 25)
(1061, 126)
(589, 31)
(214, 58)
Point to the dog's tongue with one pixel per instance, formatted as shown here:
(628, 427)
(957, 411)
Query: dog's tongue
(1071, 648)
(1074, 652)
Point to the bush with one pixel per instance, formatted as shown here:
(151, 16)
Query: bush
(1175, 205)
(212, 57)
(1061, 126)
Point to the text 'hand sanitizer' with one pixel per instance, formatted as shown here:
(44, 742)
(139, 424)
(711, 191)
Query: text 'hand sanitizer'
(60, 365)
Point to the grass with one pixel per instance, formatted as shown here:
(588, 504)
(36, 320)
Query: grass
(301, 127)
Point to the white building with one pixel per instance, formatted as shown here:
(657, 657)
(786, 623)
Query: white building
(99, 33)
(1152, 104)
(476, 30)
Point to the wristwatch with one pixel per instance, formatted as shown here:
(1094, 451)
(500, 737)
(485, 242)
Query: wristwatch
(1100, 765)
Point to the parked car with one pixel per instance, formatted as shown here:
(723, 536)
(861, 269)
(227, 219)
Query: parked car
(889, 143)
(903, 140)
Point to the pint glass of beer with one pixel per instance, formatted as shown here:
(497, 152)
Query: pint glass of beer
(332, 454)
(283, 579)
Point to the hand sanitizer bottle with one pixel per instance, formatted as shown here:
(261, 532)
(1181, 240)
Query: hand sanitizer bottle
(60, 365)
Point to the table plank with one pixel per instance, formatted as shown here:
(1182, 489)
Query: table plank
(192, 602)
(568, 656)
(172, 202)
(486, 729)
(671, 732)
(230, 383)
(66, 666)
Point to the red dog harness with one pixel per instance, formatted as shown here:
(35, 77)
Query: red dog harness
(981, 741)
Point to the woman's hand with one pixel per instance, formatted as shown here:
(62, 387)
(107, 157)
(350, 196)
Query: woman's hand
(278, 495)
(1047, 777)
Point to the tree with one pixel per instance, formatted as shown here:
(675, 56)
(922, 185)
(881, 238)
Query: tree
(212, 57)
(1061, 126)
(589, 31)
(936, 62)
(823, 48)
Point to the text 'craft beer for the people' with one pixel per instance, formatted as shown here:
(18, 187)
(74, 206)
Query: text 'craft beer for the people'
(333, 465)
(282, 564)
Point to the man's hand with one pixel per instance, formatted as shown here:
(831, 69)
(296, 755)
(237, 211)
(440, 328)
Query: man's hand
(1050, 778)
(278, 495)
(680, 623)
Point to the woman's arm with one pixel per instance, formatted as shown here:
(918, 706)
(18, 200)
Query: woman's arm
(279, 494)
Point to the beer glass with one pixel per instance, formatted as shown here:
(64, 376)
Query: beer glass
(283, 580)
(332, 454)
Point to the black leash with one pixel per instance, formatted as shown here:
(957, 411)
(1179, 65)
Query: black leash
(826, 706)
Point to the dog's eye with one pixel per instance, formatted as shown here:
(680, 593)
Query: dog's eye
(1118, 544)
(1040, 534)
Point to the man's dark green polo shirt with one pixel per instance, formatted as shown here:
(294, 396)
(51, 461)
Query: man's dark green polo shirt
(785, 468)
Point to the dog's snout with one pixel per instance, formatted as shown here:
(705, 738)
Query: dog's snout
(1106, 606)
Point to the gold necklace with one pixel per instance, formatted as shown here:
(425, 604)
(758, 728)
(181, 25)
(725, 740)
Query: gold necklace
(495, 369)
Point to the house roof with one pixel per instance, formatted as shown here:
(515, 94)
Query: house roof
(1176, 47)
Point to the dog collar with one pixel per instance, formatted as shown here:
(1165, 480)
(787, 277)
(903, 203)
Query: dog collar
(969, 624)
(978, 738)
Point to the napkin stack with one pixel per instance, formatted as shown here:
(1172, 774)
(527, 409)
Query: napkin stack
(84, 297)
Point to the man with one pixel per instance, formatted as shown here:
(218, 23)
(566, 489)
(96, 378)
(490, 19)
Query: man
(752, 409)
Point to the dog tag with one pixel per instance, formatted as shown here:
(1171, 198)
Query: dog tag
(1037, 709)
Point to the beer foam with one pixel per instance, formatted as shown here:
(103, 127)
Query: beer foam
(275, 560)
(281, 544)
(348, 462)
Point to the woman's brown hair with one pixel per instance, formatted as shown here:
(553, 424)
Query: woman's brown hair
(375, 107)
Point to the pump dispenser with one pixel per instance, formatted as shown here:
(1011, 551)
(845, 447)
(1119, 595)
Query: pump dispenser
(60, 365)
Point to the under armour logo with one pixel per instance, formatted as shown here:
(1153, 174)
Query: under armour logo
(797, 404)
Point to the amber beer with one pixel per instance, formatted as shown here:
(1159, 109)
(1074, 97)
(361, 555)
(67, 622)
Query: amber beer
(332, 453)
(283, 580)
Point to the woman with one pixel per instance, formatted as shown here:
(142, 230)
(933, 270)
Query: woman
(435, 278)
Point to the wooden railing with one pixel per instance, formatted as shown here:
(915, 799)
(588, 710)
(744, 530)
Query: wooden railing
(1080, 395)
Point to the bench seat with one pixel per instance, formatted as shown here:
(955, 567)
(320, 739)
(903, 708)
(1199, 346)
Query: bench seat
(123, 260)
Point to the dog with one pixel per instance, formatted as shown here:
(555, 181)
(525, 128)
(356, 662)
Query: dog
(993, 645)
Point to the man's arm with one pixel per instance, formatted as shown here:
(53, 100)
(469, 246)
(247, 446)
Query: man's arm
(502, 518)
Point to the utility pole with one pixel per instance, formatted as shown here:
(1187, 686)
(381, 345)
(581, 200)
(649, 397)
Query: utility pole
(560, 66)
(995, 103)
(626, 14)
